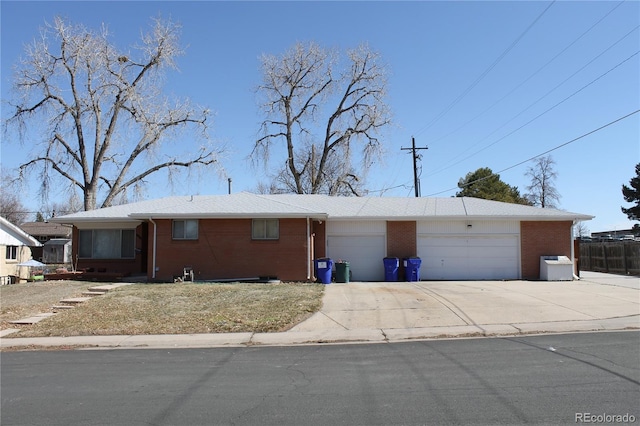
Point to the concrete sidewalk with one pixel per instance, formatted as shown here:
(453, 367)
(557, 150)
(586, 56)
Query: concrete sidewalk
(393, 312)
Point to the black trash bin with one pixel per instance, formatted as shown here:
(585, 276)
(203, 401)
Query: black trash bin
(391, 265)
(412, 268)
(342, 272)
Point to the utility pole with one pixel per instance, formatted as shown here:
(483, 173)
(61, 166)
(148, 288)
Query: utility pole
(416, 182)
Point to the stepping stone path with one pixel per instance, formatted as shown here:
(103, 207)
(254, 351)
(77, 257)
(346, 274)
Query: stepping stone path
(69, 303)
(34, 319)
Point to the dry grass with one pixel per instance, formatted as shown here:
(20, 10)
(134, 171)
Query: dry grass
(23, 300)
(185, 309)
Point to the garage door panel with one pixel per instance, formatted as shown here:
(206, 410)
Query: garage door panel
(449, 242)
(490, 242)
(443, 263)
(468, 257)
(489, 262)
(451, 252)
(364, 254)
(493, 253)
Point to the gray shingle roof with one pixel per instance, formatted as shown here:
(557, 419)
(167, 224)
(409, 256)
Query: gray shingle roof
(46, 229)
(248, 205)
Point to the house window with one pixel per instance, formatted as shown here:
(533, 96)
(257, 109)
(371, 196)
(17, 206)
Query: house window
(185, 229)
(265, 229)
(12, 253)
(106, 243)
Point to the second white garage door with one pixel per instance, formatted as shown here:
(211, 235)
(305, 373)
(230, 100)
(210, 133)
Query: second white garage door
(468, 257)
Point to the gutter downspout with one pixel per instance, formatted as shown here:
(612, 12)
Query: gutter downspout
(308, 251)
(573, 254)
(155, 236)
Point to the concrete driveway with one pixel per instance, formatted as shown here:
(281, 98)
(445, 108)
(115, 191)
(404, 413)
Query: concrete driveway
(442, 308)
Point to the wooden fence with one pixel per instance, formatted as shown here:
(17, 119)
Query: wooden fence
(617, 257)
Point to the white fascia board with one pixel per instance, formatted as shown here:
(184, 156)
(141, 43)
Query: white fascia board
(466, 217)
(568, 218)
(377, 218)
(14, 235)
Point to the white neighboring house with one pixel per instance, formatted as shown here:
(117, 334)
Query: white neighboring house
(15, 248)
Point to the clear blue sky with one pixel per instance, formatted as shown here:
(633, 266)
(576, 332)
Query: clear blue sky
(467, 80)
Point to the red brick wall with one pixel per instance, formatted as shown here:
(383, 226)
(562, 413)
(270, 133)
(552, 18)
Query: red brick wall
(401, 239)
(320, 239)
(401, 242)
(224, 249)
(542, 239)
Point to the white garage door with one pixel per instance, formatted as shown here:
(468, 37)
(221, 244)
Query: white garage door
(362, 244)
(468, 257)
(364, 254)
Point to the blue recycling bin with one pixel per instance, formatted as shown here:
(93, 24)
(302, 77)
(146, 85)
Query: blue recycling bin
(391, 265)
(412, 268)
(323, 269)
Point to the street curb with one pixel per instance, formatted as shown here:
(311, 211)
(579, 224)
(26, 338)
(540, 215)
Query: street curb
(354, 336)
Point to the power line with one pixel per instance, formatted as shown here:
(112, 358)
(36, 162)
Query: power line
(381, 191)
(539, 115)
(537, 72)
(544, 153)
(571, 141)
(484, 73)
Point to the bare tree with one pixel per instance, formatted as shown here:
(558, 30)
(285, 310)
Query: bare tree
(542, 191)
(341, 177)
(581, 230)
(62, 207)
(12, 208)
(320, 111)
(106, 117)
(11, 205)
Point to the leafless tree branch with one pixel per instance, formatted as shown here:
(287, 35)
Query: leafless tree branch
(103, 109)
(298, 88)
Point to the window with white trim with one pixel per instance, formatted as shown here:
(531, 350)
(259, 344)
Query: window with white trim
(106, 243)
(265, 229)
(12, 253)
(185, 229)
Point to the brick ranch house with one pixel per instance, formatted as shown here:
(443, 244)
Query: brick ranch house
(248, 235)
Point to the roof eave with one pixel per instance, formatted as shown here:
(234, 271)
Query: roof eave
(74, 220)
(467, 217)
(146, 216)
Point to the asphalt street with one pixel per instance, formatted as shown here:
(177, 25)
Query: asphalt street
(547, 379)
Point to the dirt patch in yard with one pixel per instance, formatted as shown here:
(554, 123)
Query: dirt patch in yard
(184, 309)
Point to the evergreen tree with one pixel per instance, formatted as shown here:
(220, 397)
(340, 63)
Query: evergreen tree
(632, 195)
(483, 183)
